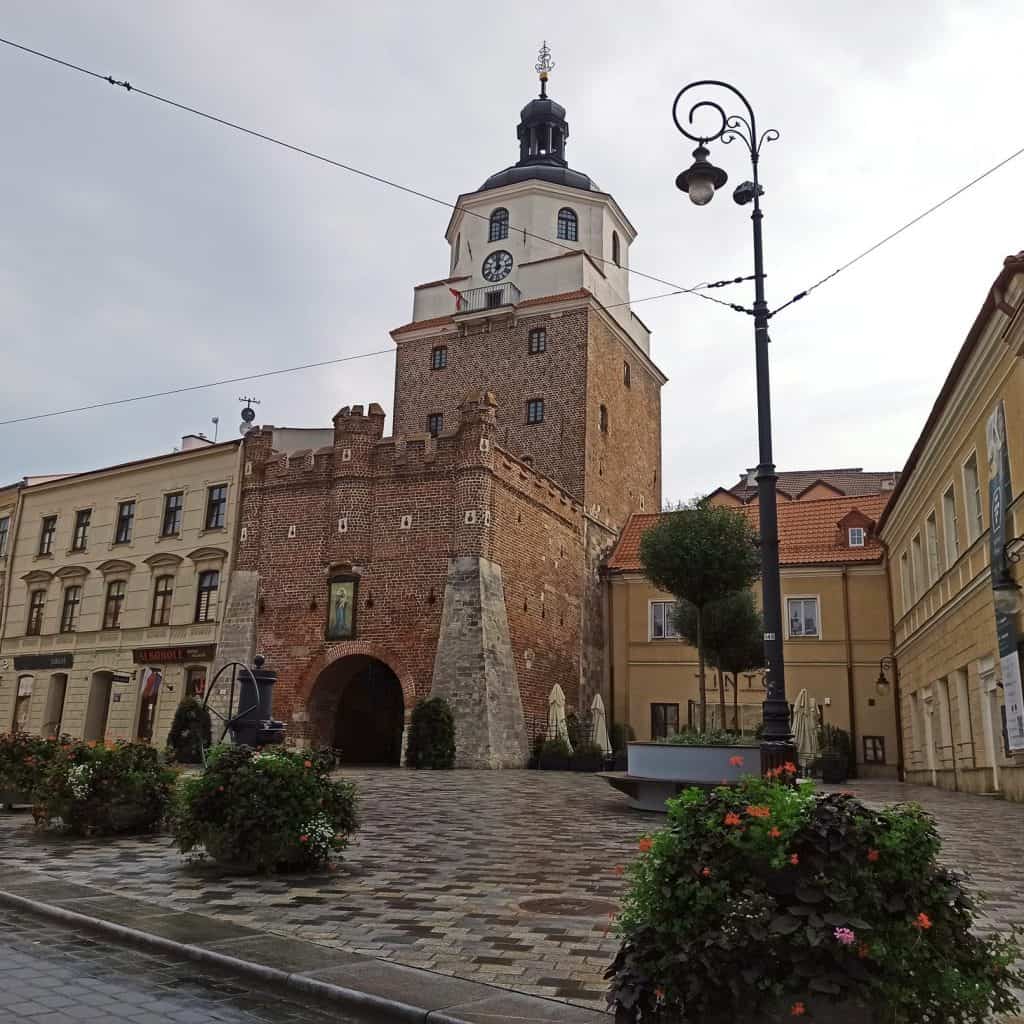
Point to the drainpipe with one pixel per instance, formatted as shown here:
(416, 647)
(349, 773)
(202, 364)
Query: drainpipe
(901, 770)
(849, 664)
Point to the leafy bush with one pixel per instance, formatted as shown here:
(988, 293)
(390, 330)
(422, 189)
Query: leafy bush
(105, 789)
(766, 898)
(190, 732)
(833, 740)
(555, 748)
(620, 734)
(431, 741)
(24, 759)
(536, 747)
(588, 748)
(576, 728)
(710, 738)
(272, 810)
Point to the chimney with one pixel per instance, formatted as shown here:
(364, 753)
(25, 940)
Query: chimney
(752, 477)
(192, 441)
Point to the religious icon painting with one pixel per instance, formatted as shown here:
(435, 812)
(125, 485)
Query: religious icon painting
(341, 608)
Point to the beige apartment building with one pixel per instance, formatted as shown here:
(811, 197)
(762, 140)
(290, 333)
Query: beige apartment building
(962, 714)
(114, 585)
(835, 606)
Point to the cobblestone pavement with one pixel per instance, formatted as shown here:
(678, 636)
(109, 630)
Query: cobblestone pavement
(502, 877)
(52, 975)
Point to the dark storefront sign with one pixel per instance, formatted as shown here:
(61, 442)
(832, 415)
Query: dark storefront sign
(27, 662)
(173, 655)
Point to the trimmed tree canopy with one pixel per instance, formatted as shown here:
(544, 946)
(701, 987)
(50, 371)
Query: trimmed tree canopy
(733, 631)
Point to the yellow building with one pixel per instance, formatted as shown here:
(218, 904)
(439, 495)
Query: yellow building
(955, 694)
(114, 581)
(836, 609)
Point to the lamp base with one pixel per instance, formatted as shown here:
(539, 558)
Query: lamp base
(776, 753)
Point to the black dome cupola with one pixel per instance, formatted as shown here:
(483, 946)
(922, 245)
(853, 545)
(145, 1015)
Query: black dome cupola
(542, 132)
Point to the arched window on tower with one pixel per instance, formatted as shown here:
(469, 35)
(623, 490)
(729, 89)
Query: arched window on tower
(615, 249)
(499, 225)
(456, 252)
(568, 226)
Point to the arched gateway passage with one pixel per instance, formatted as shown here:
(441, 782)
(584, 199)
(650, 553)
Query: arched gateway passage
(357, 707)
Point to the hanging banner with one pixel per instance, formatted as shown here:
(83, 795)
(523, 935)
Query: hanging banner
(1000, 496)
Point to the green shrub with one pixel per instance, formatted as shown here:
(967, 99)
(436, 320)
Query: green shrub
(431, 742)
(105, 789)
(620, 734)
(536, 747)
(24, 760)
(555, 748)
(272, 810)
(710, 738)
(190, 732)
(588, 748)
(833, 740)
(575, 728)
(766, 898)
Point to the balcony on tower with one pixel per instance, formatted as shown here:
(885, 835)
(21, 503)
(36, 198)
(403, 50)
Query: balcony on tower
(492, 296)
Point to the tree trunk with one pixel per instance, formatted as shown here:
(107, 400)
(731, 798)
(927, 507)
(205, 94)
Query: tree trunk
(736, 701)
(700, 671)
(721, 699)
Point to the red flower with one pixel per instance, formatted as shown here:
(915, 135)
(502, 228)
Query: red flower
(706, 872)
(220, 789)
(645, 844)
(872, 855)
(91, 744)
(759, 812)
(798, 1010)
(863, 951)
(789, 768)
(660, 993)
(736, 762)
(303, 839)
(307, 764)
(794, 858)
(619, 869)
(732, 818)
(922, 921)
(774, 832)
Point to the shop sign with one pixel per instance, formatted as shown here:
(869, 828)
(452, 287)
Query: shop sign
(173, 655)
(27, 662)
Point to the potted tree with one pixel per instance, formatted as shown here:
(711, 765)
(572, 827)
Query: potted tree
(554, 755)
(835, 754)
(587, 757)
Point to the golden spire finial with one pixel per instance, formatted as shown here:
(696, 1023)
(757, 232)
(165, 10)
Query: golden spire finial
(543, 66)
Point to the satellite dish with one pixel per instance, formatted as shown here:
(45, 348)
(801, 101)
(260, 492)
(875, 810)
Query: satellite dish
(248, 414)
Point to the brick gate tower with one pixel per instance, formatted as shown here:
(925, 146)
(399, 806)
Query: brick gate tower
(459, 557)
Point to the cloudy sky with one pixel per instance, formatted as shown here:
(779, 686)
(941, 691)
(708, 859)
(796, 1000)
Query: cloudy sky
(143, 249)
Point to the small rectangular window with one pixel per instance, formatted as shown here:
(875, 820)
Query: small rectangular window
(171, 525)
(950, 526)
(874, 750)
(931, 540)
(535, 411)
(115, 605)
(435, 423)
(917, 566)
(663, 620)
(5, 528)
(206, 596)
(439, 357)
(538, 341)
(803, 616)
(856, 534)
(125, 522)
(216, 506)
(46, 535)
(972, 499)
(36, 603)
(69, 612)
(664, 721)
(905, 587)
(626, 374)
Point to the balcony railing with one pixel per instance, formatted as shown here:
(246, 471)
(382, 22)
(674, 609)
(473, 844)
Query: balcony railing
(475, 300)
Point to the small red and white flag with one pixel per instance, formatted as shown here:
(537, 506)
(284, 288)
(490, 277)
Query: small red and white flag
(458, 298)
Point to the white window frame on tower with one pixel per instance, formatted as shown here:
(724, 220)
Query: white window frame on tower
(497, 225)
(568, 225)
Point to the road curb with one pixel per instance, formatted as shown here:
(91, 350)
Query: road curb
(381, 1008)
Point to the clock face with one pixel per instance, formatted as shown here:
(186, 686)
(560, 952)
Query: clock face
(497, 265)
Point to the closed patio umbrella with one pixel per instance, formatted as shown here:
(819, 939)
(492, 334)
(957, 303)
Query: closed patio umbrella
(557, 728)
(600, 724)
(805, 727)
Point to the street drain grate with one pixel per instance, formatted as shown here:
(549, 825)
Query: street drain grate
(561, 907)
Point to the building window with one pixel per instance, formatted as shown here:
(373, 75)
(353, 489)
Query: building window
(615, 248)
(125, 522)
(80, 537)
(663, 620)
(494, 299)
(917, 566)
(163, 594)
(206, 598)
(216, 506)
(931, 541)
(115, 605)
(856, 536)
(664, 721)
(435, 423)
(195, 683)
(950, 526)
(456, 252)
(499, 225)
(803, 616)
(69, 611)
(538, 341)
(568, 226)
(439, 357)
(874, 749)
(22, 702)
(972, 498)
(36, 603)
(603, 419)
(535, 410)
(626, 374)
(5, 528)
(46, 535)
(173, 504)
(908, 595)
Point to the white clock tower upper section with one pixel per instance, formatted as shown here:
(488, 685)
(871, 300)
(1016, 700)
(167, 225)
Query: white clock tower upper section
(536, 230)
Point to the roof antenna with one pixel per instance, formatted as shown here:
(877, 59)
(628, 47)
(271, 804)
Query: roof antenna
(248, 414)
(543, 66)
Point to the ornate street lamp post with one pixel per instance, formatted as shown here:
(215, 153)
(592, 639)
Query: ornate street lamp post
(701, 181)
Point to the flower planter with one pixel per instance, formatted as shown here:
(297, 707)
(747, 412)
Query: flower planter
(833, 767)
(9, 799)
(815, 1008)
(553, 763)
(587, 762)
(673, 762)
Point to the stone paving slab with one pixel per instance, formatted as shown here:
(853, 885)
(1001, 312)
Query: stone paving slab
(505, 878)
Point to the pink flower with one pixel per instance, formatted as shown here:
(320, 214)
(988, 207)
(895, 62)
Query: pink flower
(872, 855)
(798, 1010)
(794, 859)
(845, 936)
(303, 839)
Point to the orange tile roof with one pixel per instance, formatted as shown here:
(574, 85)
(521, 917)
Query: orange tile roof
(808, 532)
